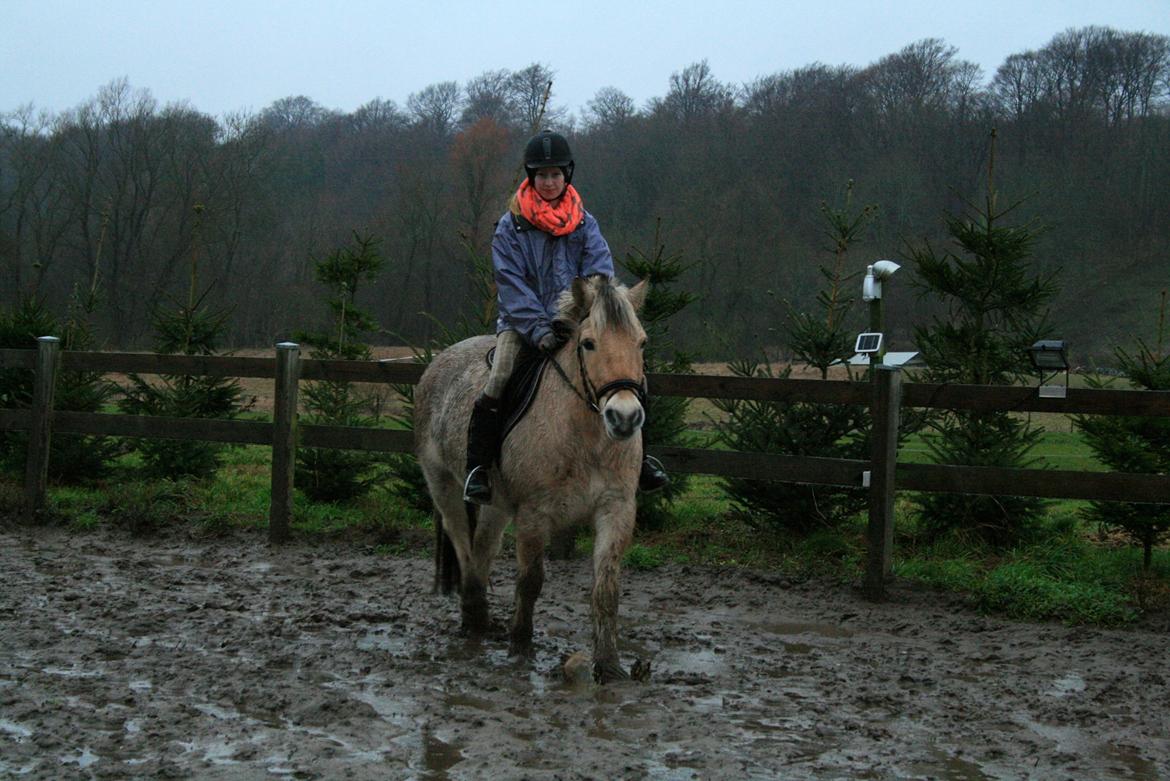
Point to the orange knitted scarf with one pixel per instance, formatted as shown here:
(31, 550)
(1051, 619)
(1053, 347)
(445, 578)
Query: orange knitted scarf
(560, 217)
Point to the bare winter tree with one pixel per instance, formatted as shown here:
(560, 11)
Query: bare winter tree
(479, 156)
(435, 107)
(378, 115)
(923, 76)
(297, 111)
(33, 216)
(610, 109)
(529, 87)
(489, 96)
(695, 92)
(1017, 87)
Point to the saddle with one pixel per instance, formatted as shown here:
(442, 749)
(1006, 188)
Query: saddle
(521, 388)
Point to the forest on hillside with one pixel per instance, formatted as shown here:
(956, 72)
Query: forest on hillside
(121, 197)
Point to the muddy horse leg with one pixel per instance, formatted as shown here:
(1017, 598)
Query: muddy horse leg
(613, 537)
(486, 534)
(457, 526)
(473, 606)
(529, 581)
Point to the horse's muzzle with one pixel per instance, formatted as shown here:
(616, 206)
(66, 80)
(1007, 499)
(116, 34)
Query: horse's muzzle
(623, 416)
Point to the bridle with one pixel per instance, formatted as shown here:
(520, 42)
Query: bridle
(593, 395)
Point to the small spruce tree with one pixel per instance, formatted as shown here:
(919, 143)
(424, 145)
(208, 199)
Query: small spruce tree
(80, 456)
(666, 415)
(20, 326)
(820, 339)
(188, 327)
(996, 306)
(73, 457)
(326, 474)
(1134, 444)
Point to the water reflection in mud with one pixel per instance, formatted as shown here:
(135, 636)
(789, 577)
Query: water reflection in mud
(438, 756)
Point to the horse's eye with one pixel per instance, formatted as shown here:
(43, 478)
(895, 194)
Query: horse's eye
(589, 344)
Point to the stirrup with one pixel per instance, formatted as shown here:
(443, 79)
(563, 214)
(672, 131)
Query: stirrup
(653, 476)
(477, 489)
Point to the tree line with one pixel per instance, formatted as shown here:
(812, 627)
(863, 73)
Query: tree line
(119, 196)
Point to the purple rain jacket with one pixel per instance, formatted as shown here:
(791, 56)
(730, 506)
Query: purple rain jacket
(533, 268)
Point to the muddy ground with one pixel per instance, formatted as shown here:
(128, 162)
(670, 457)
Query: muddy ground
(179, 658)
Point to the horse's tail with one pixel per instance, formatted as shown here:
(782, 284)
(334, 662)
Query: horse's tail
(447, 572)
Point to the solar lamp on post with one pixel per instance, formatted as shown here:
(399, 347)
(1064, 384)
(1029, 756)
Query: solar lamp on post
(1050, 357)
(871, 293)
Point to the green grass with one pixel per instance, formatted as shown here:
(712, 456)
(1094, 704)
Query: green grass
(1063, 573)
(1025, 590)
(1058, 449)
(644, 557)
(237, 497)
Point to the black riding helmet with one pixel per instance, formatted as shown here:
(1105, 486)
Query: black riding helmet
(547, 149)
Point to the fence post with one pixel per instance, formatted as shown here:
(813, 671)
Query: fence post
(40, 431)
(284, 439)
(885, 408)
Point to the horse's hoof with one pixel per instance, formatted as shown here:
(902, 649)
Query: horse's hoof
(608, 671)
(576, 669)
(473, 633)
(640, 670)
(475, 625)
(520, 650)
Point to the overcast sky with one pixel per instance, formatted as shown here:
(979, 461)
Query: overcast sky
(230, 55)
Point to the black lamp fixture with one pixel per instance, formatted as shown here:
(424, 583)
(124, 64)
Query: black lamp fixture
(1050, 356)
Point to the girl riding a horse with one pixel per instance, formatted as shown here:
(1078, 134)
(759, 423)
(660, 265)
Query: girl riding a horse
(543, 242)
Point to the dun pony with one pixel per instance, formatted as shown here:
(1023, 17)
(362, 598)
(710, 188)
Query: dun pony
(572, 460)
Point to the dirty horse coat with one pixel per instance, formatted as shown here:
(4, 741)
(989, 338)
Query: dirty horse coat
(573, 459)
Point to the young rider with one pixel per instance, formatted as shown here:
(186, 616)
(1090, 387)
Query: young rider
(543, 242)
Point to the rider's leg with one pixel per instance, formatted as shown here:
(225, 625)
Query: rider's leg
(483, 430)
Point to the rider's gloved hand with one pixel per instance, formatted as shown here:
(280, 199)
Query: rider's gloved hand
(548, 343)
(562, 330)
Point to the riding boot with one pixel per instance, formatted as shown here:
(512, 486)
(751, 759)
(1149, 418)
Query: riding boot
(483, 431)
(653, 476)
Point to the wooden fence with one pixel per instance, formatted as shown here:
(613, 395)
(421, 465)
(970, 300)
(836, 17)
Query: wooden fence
(885, 394)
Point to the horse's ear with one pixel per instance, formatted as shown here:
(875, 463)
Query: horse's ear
(582, 297)
(637, 295)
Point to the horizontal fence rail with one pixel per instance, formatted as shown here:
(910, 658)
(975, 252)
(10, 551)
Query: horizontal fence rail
(884, 394)
(986, 398)
(1047, 483)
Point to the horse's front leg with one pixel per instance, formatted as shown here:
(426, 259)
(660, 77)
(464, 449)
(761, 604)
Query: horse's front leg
(614, 530)
(530, 542)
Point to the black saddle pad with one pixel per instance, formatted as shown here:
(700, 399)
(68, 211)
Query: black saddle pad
(521, 388)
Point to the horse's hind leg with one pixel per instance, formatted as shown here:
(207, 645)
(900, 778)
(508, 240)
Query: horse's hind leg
(448, 498)
(447, 570)
(530, 543)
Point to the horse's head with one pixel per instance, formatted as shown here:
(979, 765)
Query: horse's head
(609, 341)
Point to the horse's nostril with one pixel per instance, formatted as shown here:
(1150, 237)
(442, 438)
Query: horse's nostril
(612, 418)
